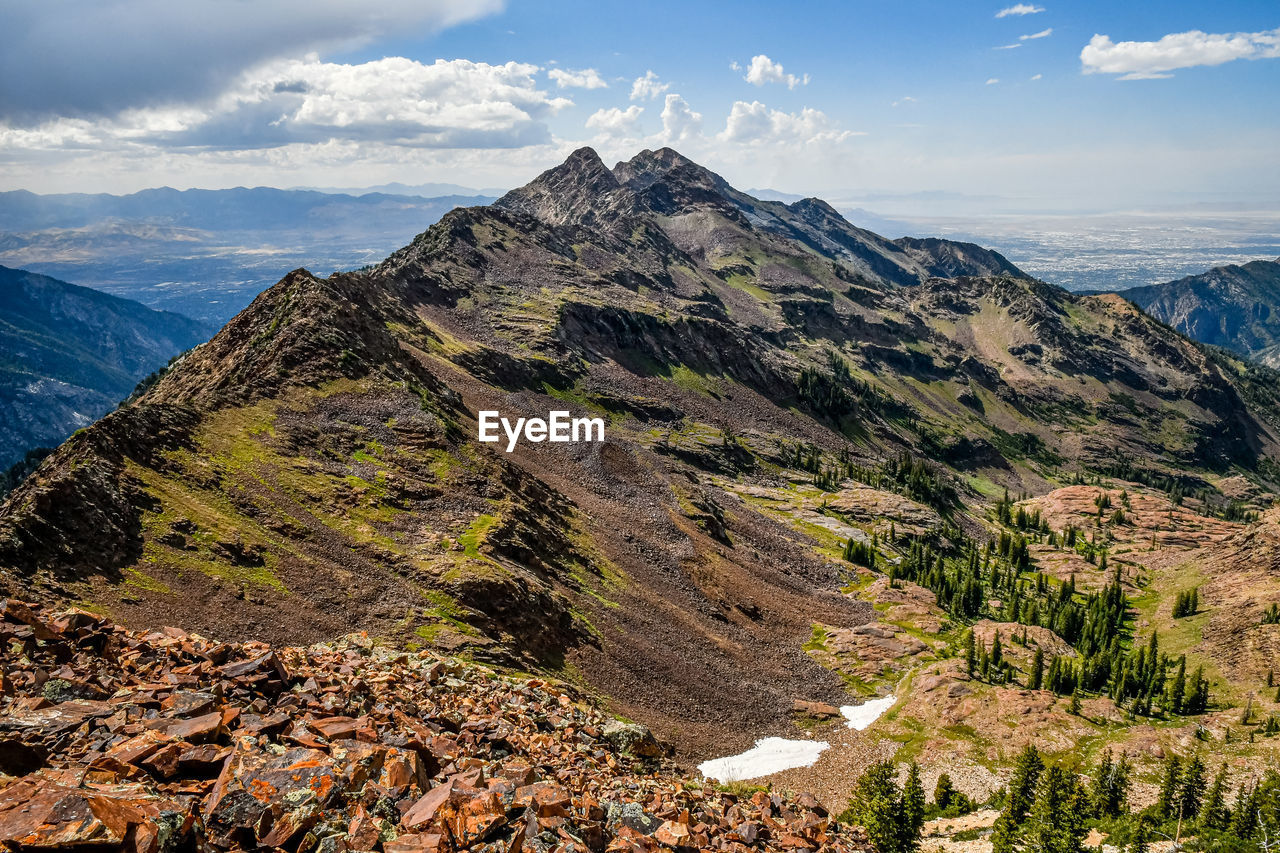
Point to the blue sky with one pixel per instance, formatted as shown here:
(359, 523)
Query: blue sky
(1037, 105)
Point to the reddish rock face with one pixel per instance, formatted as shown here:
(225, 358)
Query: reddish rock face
(242, 747)
(38, 814)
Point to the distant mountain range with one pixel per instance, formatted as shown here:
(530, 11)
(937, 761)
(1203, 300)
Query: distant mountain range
(69, 354)
(1237, 307)
(428, 190)
(206, 253)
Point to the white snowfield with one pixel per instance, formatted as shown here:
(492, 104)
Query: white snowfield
(769, 755)
(861, 716)
(775, 754)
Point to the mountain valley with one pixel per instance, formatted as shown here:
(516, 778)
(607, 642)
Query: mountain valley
(69, 354)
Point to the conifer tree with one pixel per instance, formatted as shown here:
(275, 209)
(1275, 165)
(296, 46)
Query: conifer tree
(1191, 788)
(944, 792)
(1141, 841)
(892, 818)
(1021, 794)
(1197, 700)
(1213, 814)
(1101, 779)
(1244, 817)
(913, 809)
(1056, 821)
(1166, 802)
(1178, 687)
(1110, 793)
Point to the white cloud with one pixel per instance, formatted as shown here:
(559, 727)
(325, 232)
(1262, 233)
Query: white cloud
(587, 78)
(449, 102)
(647, 88)
(1045, 33)
(396, 101)
(1007, 46)
(1019, 9)
(679, 121)
(764, 70)
(756, 123)
(617, 122)
(90, 58)
(1144, 60)
(905, 99)
(1036, 76)
(991, 81)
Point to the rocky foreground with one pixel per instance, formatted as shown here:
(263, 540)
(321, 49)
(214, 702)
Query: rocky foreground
(119, 740)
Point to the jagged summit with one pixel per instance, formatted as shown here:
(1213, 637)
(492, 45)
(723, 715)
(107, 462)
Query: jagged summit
(581, 191)
(679, 178)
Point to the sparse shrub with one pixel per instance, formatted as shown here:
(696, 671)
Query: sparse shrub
(947, 801)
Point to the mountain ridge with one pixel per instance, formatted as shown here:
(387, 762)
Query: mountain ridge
(1232, 306)
(313, 466)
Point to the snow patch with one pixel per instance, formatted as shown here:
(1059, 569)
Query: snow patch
(861, 716)
(769, 755)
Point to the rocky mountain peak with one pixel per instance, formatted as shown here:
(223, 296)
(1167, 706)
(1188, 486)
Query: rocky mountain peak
(648, 167)
(580, 191)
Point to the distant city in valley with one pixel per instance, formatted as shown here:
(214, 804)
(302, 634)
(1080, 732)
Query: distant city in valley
(208, 253)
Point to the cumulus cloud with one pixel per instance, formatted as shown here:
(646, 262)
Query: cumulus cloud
(756, 123)
(1043, 34)
(587, 78)
(647, 88)
(89, 58)
(446, 104)
(764, 70)
(1144, 60)
(1019, 9)
(905, 99)
(617, 122)
(991, 81)
(1036, 76)
(679, 121)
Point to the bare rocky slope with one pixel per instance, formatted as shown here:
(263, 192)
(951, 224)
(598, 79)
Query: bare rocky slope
(314, 468)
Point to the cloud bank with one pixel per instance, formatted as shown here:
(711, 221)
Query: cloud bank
(1145, 60)
(89, 58)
